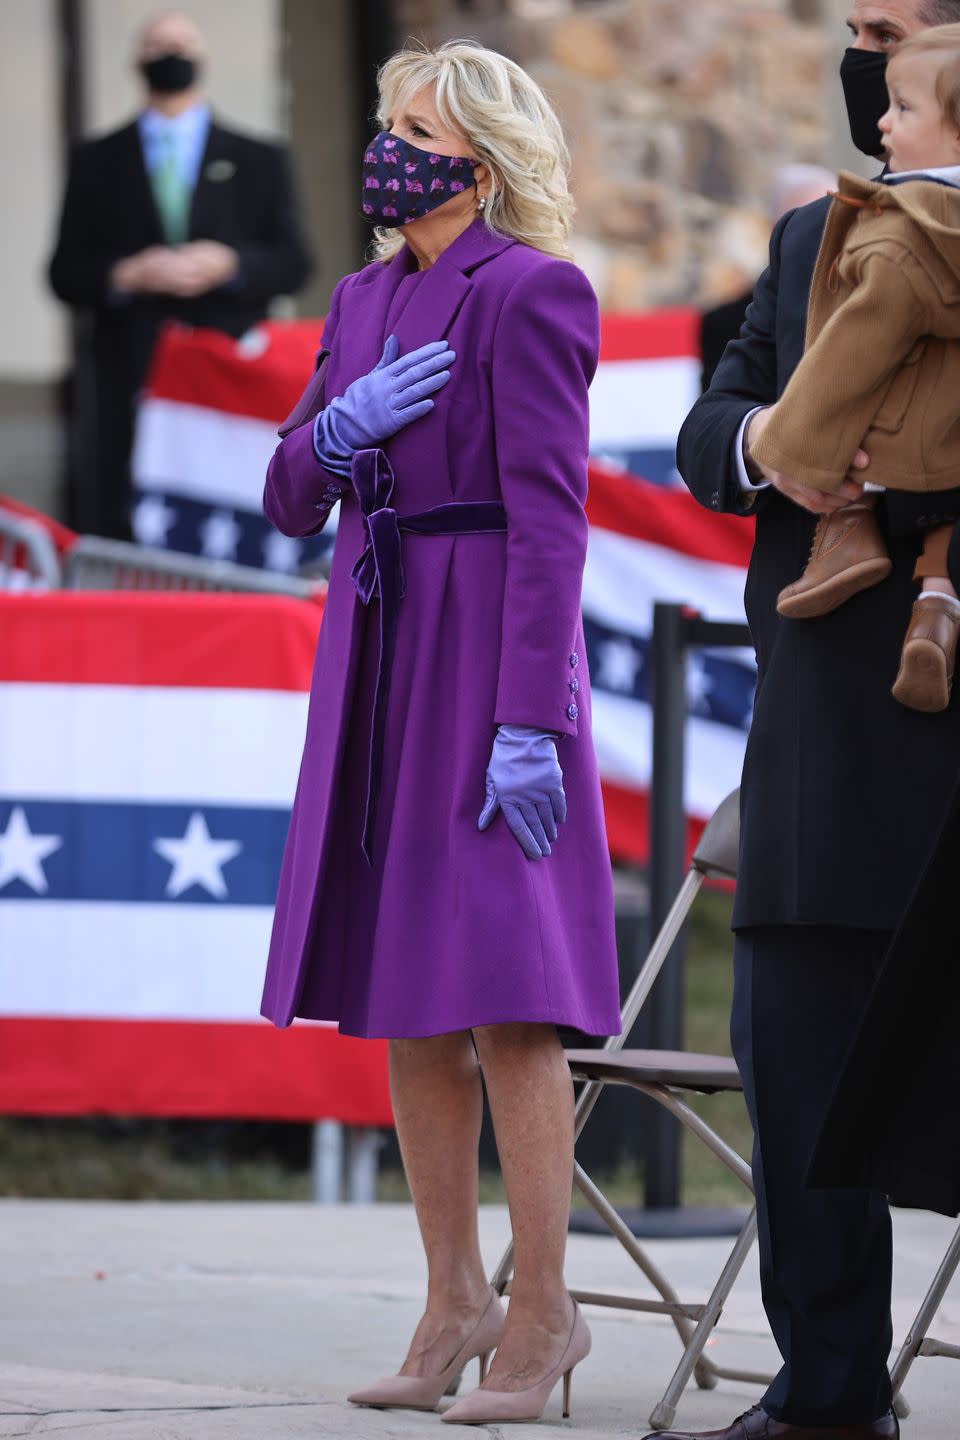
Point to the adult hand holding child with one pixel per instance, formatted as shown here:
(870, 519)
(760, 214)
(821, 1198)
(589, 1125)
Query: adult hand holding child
(818, 502)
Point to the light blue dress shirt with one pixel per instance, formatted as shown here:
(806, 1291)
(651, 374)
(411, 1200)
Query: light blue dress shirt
(189, 131)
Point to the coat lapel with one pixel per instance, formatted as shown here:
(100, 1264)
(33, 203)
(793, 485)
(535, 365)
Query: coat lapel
(361, 333)
(428, 314)
(432, 309)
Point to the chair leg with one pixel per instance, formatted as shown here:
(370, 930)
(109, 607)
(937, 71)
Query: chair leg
(662, 1415)
(620, 1231)
(503, 1272)
(925, 1315)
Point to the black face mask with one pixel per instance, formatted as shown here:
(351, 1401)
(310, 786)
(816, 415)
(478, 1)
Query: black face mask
(863, 77)
(169, 74)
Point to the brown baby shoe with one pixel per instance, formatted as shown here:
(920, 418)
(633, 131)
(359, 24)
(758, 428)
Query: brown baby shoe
(929, 653)
(848, 554)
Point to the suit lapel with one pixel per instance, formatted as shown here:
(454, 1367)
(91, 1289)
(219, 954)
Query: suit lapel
(216, 174)
(141, 191)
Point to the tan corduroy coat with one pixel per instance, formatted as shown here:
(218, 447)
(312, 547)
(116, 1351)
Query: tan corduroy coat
(881, 367)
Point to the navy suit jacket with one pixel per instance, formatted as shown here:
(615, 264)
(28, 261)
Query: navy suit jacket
(843, 788)
(245, 198)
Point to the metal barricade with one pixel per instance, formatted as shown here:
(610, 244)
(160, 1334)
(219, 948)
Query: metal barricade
(96, 564)
(28, 556)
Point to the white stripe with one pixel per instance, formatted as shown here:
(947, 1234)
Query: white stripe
(624, 576)
(139, 962)
(118, 742)
(623, 739)
(220, 459)
(641, 404)
(206, 455)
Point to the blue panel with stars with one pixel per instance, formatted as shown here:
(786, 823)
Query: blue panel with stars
(172, 522)
(720, 686)
(117, 852)
(657, 467)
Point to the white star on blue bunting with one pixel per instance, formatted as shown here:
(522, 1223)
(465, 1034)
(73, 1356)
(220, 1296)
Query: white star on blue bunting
(152, 520)
(620, 664)
(197, 859)
(699, 685)
(22, 853)
(281, 552)
(220, 535)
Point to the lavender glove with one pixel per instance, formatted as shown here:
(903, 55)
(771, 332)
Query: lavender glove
(377, 405)
(525, 781)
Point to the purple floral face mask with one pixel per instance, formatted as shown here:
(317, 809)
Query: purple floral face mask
(402, 183)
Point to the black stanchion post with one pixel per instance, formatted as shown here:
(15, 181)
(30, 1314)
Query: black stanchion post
(667, 856)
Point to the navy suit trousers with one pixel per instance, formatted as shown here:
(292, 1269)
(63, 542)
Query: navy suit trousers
(825, 1255)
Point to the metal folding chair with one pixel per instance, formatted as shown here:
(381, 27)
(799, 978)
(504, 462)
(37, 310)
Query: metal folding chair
(919, 1341)
(667, 1076)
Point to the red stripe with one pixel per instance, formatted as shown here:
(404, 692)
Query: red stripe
(671, 518)
(259, 642)
(628, 824)
(204, 367)
(137, 1067)
(650, 335)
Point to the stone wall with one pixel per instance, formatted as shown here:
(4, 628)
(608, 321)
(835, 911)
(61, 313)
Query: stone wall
(678, 112)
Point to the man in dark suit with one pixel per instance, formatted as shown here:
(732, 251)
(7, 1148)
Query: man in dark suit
(843, 792)
(171, 217)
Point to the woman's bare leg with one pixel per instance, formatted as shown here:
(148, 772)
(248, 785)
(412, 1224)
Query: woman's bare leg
(531, 1101)
(437, 1097)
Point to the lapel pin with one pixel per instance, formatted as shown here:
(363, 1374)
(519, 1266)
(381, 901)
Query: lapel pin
(220, 170)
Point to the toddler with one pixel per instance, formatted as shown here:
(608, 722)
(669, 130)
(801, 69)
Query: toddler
(881, 368)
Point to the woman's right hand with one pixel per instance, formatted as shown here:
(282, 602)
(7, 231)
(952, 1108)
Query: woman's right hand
(395, 393)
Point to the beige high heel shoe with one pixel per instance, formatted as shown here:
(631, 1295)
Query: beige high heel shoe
(424, 1392)
(494, 1407)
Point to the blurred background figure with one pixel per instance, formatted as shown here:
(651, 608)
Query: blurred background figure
(793, 186)
(171, 217)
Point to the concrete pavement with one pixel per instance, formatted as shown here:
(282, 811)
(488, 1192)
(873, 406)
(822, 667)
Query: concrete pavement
(251, 1322)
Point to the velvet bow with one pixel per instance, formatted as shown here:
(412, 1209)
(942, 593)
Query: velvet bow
(379, 570)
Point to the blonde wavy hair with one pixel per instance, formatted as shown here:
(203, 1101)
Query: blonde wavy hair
(510, 126)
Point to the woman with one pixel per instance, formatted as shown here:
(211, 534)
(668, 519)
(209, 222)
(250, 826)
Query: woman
(426, 894)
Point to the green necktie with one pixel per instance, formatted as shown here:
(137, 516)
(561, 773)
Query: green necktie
(171, 194)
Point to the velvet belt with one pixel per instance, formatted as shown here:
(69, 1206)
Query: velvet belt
(378, 574)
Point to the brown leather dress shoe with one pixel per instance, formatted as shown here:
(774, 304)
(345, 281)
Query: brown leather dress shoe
(848, 554)
(758, 1425)
(929, 654)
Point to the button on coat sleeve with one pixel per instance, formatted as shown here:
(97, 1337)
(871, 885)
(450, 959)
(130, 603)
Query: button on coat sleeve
(545, 354)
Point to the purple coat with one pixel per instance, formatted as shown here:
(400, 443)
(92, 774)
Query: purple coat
(449, 928)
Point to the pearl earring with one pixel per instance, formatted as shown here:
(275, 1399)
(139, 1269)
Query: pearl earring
(482, 204)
